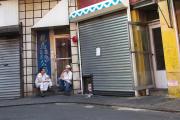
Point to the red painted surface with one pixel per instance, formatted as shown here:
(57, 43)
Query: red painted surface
(133, 1)
(85, 3)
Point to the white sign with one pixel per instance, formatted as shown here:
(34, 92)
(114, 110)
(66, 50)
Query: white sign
(173, 83)
(98, 51)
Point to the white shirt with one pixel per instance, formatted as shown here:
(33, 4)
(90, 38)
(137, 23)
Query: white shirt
(41, 78)
(43, 82)
(67, 76)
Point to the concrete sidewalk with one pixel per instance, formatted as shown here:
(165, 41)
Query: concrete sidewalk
(158, 103)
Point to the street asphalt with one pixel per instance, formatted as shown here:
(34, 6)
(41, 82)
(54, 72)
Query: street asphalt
(72, 111)
(156, 103)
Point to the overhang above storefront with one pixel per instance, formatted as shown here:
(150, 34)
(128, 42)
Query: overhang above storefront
(10, 30)
(58, 16)
(143, 4)
(98, 9)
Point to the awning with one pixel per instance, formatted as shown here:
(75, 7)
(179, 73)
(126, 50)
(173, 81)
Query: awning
(143, 4)
(58, 16)
(10, 30)
(98, 9)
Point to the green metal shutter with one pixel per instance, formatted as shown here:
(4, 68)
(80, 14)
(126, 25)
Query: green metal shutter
(112, 70)
(9, 68)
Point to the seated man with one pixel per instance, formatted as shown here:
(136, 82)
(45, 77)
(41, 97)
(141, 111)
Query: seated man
(65, 81)
(43, 81)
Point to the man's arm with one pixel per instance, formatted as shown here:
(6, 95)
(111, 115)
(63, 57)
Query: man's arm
(62, 75)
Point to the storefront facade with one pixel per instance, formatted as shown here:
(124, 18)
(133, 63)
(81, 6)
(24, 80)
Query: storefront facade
(124, 50)
(105, 47)
(150, 25)
(48, 40)
(10, 51)
(35, 34)
(163, 41)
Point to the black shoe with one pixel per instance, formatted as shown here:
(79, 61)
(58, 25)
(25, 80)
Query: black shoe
(42, 94)
(60, 90)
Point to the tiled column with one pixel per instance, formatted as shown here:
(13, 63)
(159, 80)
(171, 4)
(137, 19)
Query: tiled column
(74, 49)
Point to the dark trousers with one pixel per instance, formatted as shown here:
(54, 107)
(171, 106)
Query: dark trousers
(64, 86)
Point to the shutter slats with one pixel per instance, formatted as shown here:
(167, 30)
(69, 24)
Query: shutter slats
(112, 71)
(9, 68)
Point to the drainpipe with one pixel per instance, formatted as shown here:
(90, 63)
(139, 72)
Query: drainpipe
(131, 44)
(80, 64)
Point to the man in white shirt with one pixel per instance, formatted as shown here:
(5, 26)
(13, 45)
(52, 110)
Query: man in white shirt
(43, 81)
(65, 81)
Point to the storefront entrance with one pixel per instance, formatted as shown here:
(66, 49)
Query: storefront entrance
(158, 56)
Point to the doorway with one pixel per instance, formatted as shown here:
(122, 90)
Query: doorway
(63, 53)
(158, 56)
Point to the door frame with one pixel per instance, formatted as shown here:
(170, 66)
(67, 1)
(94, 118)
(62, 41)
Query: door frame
(53, 54)
(151, 26)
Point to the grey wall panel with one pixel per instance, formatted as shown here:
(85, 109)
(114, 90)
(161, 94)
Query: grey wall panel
(112, 71)
(9, 68)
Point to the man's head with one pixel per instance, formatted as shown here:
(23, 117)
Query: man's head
(42, 70)
(68, 67)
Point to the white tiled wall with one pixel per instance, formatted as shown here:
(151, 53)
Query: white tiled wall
(9, 12)
(30, 12)
(74, 50)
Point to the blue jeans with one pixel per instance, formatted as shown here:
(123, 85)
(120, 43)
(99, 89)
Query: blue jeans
(64, 86)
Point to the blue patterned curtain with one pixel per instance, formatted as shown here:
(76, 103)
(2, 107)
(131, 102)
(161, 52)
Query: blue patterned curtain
(43, 51)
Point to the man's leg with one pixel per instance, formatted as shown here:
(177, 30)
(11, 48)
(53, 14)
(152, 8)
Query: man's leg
(67, 88)
(61, 85)
(41, 87)
(38, 88)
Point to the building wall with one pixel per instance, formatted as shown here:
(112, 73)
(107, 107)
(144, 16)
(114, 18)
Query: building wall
(85, 3)
(177, 12)
(74, 50)
(9, 13)
(140, 48)
(30, 12)
(171, 50)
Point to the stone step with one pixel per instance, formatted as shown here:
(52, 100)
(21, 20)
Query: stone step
(158, 92)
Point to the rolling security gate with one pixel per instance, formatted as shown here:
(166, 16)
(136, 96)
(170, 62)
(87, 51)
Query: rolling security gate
(9, 68)
(112, 71)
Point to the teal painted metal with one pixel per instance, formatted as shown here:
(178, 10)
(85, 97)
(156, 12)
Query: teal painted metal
(95, 7)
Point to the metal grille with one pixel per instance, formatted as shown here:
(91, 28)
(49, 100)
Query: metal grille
(111, 70)
(9, 68)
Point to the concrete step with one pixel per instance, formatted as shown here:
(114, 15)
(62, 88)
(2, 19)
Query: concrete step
(158, 92)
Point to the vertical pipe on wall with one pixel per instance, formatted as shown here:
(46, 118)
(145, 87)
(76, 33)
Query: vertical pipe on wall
(80, 64)
(132, 48)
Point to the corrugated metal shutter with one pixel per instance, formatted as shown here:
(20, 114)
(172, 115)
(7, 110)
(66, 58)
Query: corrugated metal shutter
(112, 70)
(9, 68)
